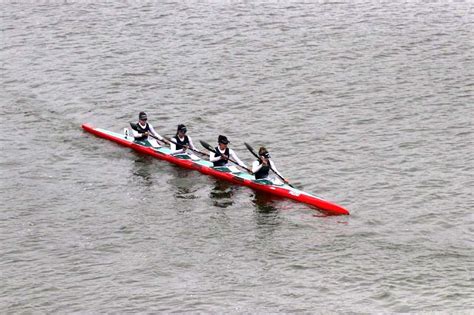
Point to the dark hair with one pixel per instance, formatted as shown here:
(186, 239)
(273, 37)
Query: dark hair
(263, 152)
(181, 127)
(222, 139)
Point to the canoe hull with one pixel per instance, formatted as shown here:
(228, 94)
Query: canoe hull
(202, 166)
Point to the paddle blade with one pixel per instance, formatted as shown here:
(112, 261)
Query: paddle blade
(207, 146)
(249, 147)
(134, 126)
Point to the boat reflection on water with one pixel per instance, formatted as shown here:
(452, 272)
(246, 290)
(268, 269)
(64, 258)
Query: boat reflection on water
(184, 183)
(222, 194)
(143, 170)
(267, 216)
(263, 202)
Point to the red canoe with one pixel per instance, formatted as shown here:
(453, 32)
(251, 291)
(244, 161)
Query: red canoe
(225, 173)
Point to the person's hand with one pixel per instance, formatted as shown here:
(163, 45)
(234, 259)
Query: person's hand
(224, 157)
(286, 181)
(146, 133)
(186, 147)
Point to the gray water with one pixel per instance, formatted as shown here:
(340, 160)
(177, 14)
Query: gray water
(368, 104)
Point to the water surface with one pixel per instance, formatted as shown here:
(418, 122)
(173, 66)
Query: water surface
(366, 104)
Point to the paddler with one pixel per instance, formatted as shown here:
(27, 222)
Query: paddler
(182, 141)
(261, 167)
(143, 129)
(223, 153)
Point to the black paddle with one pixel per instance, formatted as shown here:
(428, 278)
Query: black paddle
(207, 146)
(269, 165)
(171, 140)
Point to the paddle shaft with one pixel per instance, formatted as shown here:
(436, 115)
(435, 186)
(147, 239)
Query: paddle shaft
(194, 150)
(249, 147)
(207, 146)
(158, 139)
(134, 127)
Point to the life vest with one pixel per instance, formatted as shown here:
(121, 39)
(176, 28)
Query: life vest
(218, 153)
(180, 144)
(140, 129)
(263, 171)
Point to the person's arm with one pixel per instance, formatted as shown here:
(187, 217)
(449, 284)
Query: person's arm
(276, 171)
(256, 166)
(213, 157)
(234, 157)
(136, 134)
(173, 147)
(191, 144)
(153, 132)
